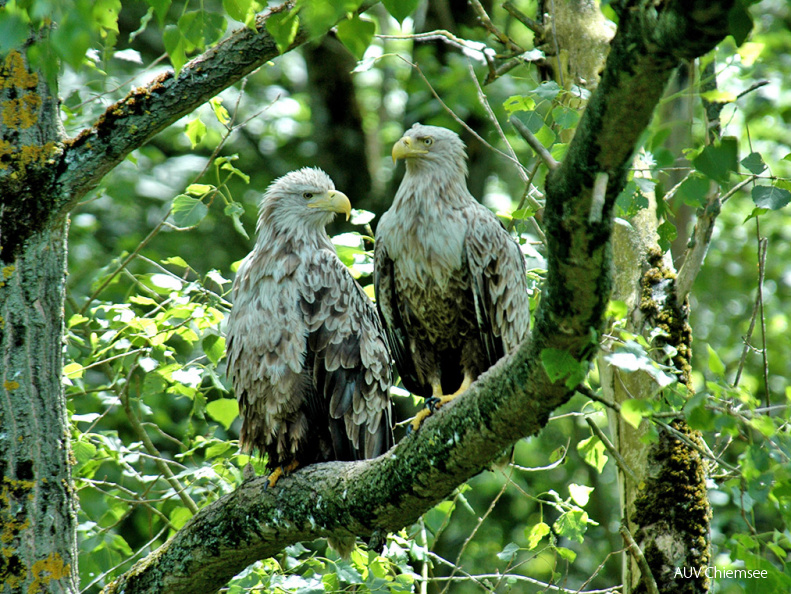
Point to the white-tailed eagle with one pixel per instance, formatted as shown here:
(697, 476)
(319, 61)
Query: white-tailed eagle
(307, 355)
(450, 281)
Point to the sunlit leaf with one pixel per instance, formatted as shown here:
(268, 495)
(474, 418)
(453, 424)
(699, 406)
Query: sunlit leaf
(283, 27)
(188, 211)
(580, 494)
(356, 34)
(195, 131)
(175, 46)
(593, 452)
(223, 410)
(535, 534)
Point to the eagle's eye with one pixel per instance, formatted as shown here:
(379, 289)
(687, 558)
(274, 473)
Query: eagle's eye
(428, 141)
(307, 195)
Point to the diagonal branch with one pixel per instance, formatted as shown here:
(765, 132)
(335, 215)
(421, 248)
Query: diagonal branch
(513, 399)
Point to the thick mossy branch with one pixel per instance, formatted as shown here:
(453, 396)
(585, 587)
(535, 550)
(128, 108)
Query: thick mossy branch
(512, 400)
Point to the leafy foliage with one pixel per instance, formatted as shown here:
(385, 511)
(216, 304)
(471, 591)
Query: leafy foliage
(153, 421)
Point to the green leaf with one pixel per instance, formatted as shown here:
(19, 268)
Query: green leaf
(195, 131)
(593, 452)
(84, 451)
(356, 34)
(519, 103)
(219, 110)
(572, 524)
(188, 211)
(718, 96)
(176, 261)
(749, 52)
(223, 410)
(73, 370)
(535, 534)
(199, 190)
(715, 363)
(667, 233)
(214, 347)
(179, 517)
(740, 23)
(693, 191)
(717, 161)
(509, 552)
(283, 27)
(547, 90)
(617, 309)
(770, 197)
(13, 31)
(561, 364)
(77, 319)
(580, 494)
(175, 46)
(241, 10)
(160, 9)
(202, 28)
(401, 9)
(71, 39)
(754, 163)
(566, 554)
(633, 411)
(235, 210)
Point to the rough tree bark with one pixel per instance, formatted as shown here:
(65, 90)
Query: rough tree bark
(511, 401)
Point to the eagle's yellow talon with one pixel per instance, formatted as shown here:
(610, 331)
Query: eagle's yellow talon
(282, 471)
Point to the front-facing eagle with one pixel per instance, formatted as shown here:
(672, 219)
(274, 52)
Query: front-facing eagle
(306, 352)
(450, 281)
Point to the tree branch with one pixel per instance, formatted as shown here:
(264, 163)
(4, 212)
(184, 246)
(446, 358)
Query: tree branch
(513, 399)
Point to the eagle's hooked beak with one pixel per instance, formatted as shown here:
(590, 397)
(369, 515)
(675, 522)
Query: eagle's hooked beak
(333, 201)
(406, 147)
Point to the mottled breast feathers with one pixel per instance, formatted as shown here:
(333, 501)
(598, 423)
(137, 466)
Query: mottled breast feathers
(306, 351)
(450, 281)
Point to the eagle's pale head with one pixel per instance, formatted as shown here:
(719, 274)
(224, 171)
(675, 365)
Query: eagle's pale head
(431, 148)
(303, 201)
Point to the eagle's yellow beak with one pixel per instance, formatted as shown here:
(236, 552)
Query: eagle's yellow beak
(406, 147)
(333, 201)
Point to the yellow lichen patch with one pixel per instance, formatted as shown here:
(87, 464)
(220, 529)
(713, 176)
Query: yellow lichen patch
(15, 74)
(35, 154)
(46, 570)
(11, 385)
(6, 149)
(21, 113)
(8, 271)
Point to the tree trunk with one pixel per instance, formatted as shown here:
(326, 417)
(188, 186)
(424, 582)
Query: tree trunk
(37, 516)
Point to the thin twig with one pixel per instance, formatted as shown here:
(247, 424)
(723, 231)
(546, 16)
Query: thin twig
(534, 143)
(523, 174)
(753, 318)
(490, 27)
(531, 24)
(452, 113)
(635, 551)
(141, 433)
(619, 460)
(591, 395)
(481, 520)
(763, 245)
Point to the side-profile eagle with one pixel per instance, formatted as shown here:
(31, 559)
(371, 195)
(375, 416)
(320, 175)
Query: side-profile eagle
(307, 355)
(450, 281)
